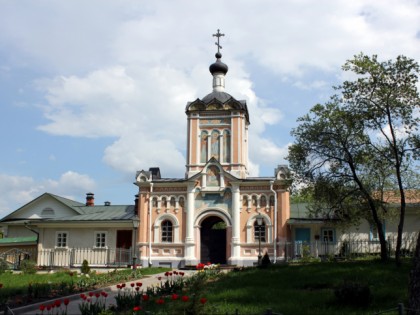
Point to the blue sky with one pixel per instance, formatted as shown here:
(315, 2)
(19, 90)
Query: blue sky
(92, 91)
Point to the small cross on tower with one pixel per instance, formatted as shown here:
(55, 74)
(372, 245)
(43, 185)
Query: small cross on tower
(218, 35)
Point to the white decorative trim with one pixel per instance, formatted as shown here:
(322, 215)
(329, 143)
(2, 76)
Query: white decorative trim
(157, 227)
(250, 229)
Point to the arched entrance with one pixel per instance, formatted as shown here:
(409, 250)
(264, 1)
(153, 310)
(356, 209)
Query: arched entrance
(213, 240)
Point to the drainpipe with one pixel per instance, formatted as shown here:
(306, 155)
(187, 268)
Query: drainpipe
(150, 224)
(32, 230)
(275, 221)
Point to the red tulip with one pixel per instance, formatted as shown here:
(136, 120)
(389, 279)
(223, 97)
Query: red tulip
(132, 284)
(42, 307)
(66, 302)
(160, 301)
(137, 289)
(174, 296)
(145, 297)
(185, 298)
(123, 285)
(159, 278)
(139, 284)
(136, 308)
(97, 295)
(48, 307)
(203, 301)
(91, 294)
(57, 303)
(104, 294)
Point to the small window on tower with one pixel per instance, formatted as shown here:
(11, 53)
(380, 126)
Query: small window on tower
(226, 146)
(204, 147)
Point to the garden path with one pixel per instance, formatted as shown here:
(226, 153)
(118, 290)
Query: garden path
(75, 300)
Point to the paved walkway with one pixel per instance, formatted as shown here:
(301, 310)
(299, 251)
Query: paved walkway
(73, 307)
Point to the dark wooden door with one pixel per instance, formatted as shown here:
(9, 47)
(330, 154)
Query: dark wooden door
(213, 241)
(124, 239)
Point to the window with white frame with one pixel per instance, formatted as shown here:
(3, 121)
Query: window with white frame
(61, 239)
(373, 233)
(259, 230)
(328, 235)
(100, 239)
(167, 231)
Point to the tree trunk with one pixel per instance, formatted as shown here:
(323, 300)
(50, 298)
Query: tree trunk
(414, 287)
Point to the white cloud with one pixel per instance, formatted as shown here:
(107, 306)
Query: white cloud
(125, 70)
(18, 190)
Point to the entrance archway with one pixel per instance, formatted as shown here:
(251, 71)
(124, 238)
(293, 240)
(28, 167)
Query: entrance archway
(213, 240)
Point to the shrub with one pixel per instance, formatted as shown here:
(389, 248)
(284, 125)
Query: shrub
(28, 266)
(3, 266)
(85, 269)
(353, 293)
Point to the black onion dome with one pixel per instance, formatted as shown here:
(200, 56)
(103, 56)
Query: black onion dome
(220, 96)
(218, 66)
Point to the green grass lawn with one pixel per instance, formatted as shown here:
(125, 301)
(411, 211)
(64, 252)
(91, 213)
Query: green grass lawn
(307, 288)
(289, 289)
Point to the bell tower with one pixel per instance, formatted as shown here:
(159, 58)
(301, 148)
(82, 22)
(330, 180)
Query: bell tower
(217, 126)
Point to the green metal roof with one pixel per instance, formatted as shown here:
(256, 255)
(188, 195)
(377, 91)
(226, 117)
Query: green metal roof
(18, 240)
(99, 213)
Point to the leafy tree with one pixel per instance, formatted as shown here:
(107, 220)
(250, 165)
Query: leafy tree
(362, 143)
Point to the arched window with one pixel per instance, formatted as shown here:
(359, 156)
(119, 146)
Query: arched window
(263, 201)
(245, 201)
(154, 202)
(47, 213)
(167, 231)
(204, 147)
(215, 145)
(172, 202)
(259, 229)
(164, 203)
(226, 146)
(254, 201)
(181, 202)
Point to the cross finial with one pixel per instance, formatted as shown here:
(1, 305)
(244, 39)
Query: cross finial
(218, 35)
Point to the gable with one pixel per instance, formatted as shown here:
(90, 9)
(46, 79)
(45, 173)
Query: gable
(43, 207)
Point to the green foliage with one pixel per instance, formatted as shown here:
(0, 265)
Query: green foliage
(340, 159)
(307, 288)
(85, 269)
(28, 266)
(3, 266)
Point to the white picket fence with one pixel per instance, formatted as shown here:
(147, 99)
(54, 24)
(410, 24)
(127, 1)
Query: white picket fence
(345, 248)
(74, 257)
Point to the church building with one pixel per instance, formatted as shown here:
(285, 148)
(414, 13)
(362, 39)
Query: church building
(216, 213)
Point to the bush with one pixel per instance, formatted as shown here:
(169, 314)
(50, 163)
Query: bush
(353, 293)
(85, 269)
(28, 266)
(3, 266)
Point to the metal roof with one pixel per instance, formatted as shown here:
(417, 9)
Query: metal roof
(18, 240)
(100, 213)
